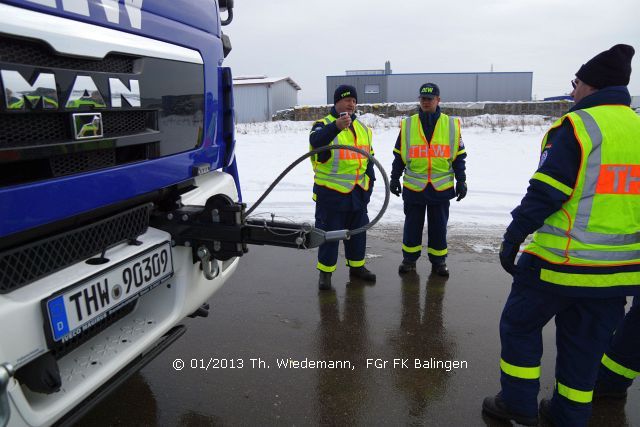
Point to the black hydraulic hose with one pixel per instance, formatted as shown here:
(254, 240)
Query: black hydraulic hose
(327, 148)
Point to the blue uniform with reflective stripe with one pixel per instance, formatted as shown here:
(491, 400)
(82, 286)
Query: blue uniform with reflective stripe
(338, 211)
(621, 362)
(585, 317)
(433, 203)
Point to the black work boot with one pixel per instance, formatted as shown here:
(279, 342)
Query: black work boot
(362, 273)
(495, 407)
(324, 281)
(440, 269)
(406, 267)
(602, 392)
(545, 412)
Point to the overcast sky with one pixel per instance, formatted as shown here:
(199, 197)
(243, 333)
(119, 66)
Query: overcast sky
(308, 40)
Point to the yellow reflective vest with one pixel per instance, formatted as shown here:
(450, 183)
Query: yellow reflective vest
(345, 169)
(599, 225)
(429, 161)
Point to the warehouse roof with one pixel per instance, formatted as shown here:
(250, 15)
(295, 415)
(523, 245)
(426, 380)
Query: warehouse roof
(260, 80)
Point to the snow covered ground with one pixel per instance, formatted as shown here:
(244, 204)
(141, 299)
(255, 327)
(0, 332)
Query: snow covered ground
(503, 153)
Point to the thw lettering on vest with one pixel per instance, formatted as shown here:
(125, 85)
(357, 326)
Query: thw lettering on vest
(352, 155)
(619, 179)
(422, 151)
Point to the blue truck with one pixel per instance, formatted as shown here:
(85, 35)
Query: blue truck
(120, 204)
(116, 144)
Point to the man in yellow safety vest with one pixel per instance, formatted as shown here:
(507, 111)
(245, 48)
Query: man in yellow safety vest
(430, 152)
(583, 203)
(343, 181)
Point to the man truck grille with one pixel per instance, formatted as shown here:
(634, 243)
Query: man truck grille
(140, 116)
(44, 129)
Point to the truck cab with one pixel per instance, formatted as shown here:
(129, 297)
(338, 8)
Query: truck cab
(112, 113)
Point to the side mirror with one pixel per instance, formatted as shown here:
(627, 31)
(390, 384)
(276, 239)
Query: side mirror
(226, 6)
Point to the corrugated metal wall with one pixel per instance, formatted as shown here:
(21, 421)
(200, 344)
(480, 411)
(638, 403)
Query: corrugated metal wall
(505, 86)
(454, 87)
(258, 102)
(463, 87)
(251, 103)
(360, 83)
(281, 97)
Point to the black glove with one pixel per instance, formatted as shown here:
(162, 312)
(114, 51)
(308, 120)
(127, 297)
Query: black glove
(395, 187)
(461, 190)
(508, 252)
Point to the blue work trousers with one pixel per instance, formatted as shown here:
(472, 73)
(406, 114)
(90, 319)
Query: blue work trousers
(583, 329)
(354, 248)
(621, 363)
(437, 218)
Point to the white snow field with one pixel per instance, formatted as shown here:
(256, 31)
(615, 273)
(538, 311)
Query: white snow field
(503, 153)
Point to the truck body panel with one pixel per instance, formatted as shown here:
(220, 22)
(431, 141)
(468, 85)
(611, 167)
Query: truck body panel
(71, 194)
(111, 111)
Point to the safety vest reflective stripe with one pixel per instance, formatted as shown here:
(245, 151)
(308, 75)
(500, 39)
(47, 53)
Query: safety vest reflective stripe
(411, 249)
(437, 252)
(337, 175)
(342, 184)
(593, 170)
(452, 137)
(407, 142)
(442, 180)
(326, 268)
(619, 369)
(595, 255)
(592, 237)
(526, 373)
(412, 181)
(438, 175)
(590, 280)
(351, 263)
(552, 182)
(574, 394)
(416, 175)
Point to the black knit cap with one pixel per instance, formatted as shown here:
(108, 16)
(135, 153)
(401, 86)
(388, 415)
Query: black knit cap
(609, 68)
(344, 91)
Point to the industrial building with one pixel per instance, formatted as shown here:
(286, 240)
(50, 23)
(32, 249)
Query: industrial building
(257, 98)
(379, 86)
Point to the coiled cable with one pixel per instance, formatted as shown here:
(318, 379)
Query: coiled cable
(327, 148)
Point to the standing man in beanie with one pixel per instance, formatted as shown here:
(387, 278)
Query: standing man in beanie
(583, 203)
(343, 182)
(430, 152)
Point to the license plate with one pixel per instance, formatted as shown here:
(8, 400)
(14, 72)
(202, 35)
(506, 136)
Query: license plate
(90, 301)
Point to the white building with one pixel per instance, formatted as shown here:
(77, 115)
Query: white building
(257, 98)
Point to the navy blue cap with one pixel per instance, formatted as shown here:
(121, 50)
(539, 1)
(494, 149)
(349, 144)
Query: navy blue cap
(429, 90)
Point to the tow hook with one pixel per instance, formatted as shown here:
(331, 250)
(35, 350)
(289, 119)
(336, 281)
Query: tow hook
(6, 372)
(210, 266)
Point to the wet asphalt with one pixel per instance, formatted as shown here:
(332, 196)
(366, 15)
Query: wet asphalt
(271, 311)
